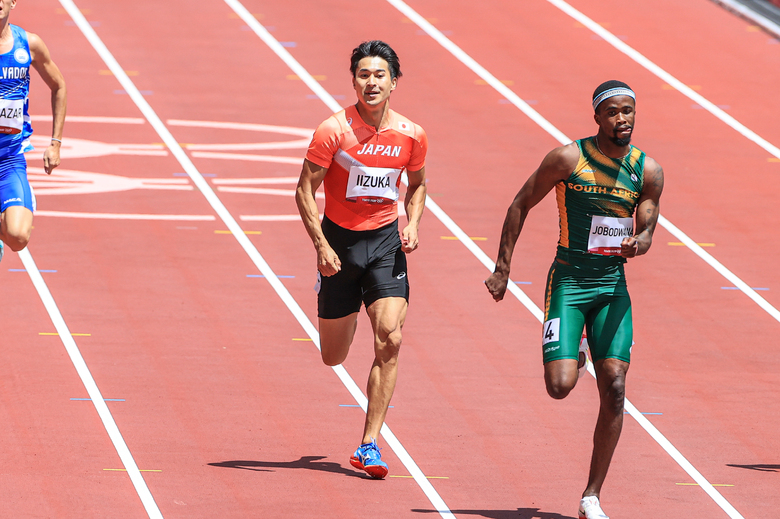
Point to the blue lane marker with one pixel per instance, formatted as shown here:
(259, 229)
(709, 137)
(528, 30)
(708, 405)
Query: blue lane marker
(25, 270)
(314, 96)
(528, 101)
(142, 92)
(729, 288)
(186, 175)
(522, 283)
(355, 405)
(105, 399)
(659, 414)
(71, 23)
(262, 276)
(287, 44)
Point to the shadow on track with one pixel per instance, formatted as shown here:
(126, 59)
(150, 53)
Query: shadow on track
(305, 462)
(761, 468)
(520, 513)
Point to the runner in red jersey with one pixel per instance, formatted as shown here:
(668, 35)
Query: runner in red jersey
(359, 155)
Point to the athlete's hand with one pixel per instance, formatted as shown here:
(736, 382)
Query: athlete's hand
(51, 157)
(328, 262)
(629, 247)
(409, 239)
(496, 285)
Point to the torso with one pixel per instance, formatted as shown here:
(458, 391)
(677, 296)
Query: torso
(365, 166)
(596, 205)
(15, 127)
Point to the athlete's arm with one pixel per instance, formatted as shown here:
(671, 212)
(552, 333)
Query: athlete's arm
(51, 75)
(414, 203)
(556, 167)
(646, 211)
(312, 175)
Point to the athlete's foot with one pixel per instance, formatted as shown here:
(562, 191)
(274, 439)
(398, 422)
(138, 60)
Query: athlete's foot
(1, 250)
(583, 357)
(591, 509)
(368, 458)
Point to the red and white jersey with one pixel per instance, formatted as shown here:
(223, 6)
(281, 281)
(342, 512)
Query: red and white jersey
(365, 165)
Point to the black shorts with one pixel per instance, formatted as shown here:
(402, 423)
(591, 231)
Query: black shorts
(373, 267)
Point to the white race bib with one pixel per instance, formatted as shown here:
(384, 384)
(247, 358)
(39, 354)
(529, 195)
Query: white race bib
(373, 183)
(607, 233)
(11, 115)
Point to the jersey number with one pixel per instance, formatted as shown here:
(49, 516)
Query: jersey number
(550, 330)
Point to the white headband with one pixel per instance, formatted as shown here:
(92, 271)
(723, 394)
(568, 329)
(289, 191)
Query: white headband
(612, 92)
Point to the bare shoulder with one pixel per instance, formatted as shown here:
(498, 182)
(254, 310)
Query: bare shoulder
(37, 47)
(561, 161)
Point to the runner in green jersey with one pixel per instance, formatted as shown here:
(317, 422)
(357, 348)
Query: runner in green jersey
(608, 194)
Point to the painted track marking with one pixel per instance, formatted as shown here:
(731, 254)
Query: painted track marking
(563, 139)
(90, 385)
(198, 179)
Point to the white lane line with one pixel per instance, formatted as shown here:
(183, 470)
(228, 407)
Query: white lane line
(399, 450)
(563, 139)
(710, 107)
(667, 77)
(89, 383)
(245, 243)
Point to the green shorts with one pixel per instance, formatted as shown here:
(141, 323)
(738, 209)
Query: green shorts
(596, 300)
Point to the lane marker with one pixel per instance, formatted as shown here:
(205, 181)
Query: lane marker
(105, 399)
(473, 238)
(681, 244)
(411, 466)
(262, 276)
(429, 477)
(139, 470)
(72, 334)
(89, 382)
(355, 405)
(116, 216)
(563, 139)
(696, 485)
(737, 288)
(25, 270)
(302, 339)
(231, 232)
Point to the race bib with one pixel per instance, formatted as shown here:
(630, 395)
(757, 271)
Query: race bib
(378, 184)
(11, 115)
(606, 234)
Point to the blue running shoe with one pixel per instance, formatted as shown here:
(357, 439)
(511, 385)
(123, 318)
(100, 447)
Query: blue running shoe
(1, 250)
(368, 458)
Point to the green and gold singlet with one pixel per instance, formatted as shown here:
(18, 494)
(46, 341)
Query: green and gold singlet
(600, 187)
(596, 206)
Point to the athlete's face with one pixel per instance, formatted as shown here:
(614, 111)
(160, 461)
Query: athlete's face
(372, 81)
(615, 117)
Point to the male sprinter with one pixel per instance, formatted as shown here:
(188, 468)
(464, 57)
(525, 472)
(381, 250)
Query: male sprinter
(599, 182)
(18, 50)
(359, 154)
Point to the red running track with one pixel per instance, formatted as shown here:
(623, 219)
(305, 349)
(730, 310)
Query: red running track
(228, 415)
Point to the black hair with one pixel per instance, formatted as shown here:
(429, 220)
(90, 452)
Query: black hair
(379, 49)
(608, 85)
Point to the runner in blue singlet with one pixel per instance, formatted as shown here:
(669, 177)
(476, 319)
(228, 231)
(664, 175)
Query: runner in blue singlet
(18, 50)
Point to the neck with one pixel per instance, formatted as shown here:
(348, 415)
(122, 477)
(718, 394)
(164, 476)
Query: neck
(609, 148)
(377, 117)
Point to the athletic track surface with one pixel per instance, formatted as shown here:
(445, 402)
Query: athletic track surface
(158, 353)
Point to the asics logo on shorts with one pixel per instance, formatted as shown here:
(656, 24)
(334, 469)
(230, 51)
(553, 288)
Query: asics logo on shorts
(401, 275)
(12, 200)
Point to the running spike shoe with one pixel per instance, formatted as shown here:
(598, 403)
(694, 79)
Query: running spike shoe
(583, 357)
(1, 250)
(591, 509)
(368, 458)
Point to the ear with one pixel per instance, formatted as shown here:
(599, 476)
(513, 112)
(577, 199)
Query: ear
(393, 83)
(597, 118)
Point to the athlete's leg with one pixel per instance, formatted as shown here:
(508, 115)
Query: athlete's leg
(16, 226)
(336, 337)
(387, 318)
(611, 377)
(560, 377)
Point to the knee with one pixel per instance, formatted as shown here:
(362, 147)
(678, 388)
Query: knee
(329, 359)
(16, 240)
(614, 395)
(559, 389)
(333, 354)
(388, 344)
